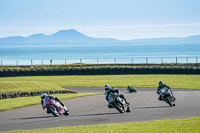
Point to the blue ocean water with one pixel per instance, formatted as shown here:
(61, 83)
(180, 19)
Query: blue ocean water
(22, 55)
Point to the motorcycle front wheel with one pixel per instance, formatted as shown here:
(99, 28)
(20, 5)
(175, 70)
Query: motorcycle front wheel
(119, 107)
(66, 112)
(168, 99)
(53, 111)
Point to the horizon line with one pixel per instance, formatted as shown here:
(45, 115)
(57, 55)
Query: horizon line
(178, 30)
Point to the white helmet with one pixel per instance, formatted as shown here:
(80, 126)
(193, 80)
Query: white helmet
(43, 95)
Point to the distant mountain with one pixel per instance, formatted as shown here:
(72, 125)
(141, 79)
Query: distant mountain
(61, 37)
(69, 34)
(37, 36)
(74, 37)
(167, 41)
(193, 38)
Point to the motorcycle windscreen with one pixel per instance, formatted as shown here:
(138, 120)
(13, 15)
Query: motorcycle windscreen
(163, 91)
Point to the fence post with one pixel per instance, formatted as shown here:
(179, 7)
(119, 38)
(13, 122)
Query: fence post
(115, 60)
(31, 62)
(51, 61)
(65, 62)
(146, 60)
(132, 60)
(176, 60)
(17, 62)
(187, 60)
(1, 63)
(196, 59)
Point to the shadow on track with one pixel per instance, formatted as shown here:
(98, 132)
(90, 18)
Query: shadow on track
(38, 117)
(151, 107)
(97, 114)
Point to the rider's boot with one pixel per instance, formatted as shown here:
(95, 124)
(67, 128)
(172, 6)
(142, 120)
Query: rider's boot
(173, 98)
(110, 106)
(48, 111)
(126, 101)
(122, 96)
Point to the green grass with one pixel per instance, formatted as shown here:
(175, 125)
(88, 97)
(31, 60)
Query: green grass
(147, 81)
(189, 125)
(27, 86)
(13, 103)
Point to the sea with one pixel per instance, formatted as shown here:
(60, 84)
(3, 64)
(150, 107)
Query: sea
(98, 54)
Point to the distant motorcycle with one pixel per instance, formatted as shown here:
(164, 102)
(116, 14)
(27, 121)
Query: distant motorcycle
(166, 95)
(131, 89)
(55, 107)
(118, 103)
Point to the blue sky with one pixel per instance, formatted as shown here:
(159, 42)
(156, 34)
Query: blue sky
(121, 19)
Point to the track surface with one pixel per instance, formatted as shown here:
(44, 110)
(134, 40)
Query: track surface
(93, 110)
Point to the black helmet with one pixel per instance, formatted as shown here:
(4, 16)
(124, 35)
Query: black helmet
(161, 83)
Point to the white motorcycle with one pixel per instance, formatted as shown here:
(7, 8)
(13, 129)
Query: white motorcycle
(118, 103)
(166, 95)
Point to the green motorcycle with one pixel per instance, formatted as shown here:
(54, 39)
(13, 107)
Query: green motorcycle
(131, 89)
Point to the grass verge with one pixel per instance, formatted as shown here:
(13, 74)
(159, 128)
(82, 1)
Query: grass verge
(27, 86)
(13, 103)
(189, 125)
(147, 81)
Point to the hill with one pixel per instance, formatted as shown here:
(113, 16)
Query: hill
(74, 37)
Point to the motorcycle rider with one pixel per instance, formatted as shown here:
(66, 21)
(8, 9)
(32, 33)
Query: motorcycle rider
(44, 95)
(108, 90)
(161, 85)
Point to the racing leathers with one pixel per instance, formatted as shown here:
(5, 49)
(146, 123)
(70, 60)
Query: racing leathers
(113, 90)
(160, 87)
(56, 99)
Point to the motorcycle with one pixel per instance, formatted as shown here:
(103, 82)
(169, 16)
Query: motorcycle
(131, 89)
(118, 103)
(55, 107)
(166, 95)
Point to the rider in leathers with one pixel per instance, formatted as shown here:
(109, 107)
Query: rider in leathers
(108, 90)
(161, 85)
(44, 95)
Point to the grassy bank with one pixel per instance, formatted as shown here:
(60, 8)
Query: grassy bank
(13, 103)
(26, 86)
(147, 81)
(190, 125)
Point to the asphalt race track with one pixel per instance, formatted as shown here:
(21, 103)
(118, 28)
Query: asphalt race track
(93, 110)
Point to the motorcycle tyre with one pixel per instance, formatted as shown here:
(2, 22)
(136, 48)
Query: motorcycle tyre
(120, 109)
(54, 112)
(66, 113)
(168, 100)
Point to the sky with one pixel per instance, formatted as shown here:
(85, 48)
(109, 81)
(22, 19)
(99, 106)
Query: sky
(120, 19)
